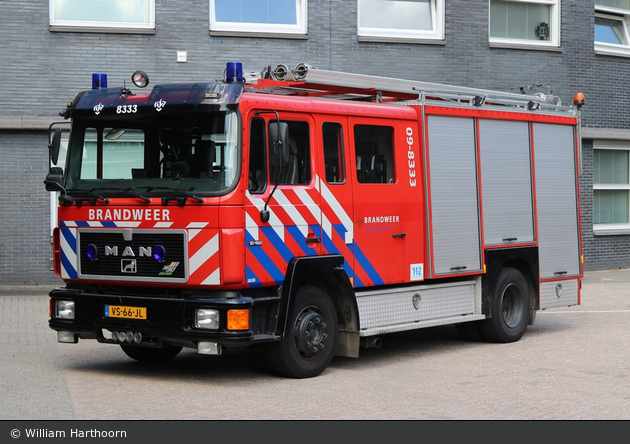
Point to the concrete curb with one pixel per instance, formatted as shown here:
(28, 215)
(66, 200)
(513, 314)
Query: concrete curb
(30, 290)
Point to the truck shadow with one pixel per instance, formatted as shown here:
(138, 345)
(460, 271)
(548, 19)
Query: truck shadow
(235, 366)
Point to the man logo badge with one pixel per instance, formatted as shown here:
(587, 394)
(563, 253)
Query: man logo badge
(128, 266)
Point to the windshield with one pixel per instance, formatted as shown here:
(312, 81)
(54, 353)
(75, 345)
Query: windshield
(195, 152)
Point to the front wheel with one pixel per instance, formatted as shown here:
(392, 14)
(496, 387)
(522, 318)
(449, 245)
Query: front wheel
(510, 308)
(308, 345)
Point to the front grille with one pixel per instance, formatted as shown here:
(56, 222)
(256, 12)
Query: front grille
(132, 259)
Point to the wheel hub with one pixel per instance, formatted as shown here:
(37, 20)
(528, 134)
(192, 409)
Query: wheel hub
(511, 305)
(310, 332)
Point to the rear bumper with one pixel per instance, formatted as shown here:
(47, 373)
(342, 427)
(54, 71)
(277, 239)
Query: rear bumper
(169, 321)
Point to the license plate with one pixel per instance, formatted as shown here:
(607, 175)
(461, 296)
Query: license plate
(121, 311)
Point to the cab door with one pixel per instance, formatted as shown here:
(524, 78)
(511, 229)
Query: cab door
(286, 193)
(379, 218)
(335, 184)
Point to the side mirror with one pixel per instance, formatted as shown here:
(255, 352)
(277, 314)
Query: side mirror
(279, 140)
(53, 179)
(53, 146)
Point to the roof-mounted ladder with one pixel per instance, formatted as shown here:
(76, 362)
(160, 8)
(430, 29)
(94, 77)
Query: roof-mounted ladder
(308, 81)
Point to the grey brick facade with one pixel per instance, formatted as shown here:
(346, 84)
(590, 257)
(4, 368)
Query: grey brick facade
(42, 70)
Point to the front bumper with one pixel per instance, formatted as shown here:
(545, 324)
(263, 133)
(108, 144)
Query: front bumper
(169, 321)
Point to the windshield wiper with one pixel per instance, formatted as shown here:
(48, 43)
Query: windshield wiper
(180, 201)
(128, 191)
(66, 198)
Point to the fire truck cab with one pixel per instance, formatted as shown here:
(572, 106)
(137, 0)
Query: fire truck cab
(310, 212)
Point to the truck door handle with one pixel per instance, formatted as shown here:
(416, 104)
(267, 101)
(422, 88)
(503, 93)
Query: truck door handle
(313, 240)
(400, 235)
(461, 267)
(510, 239)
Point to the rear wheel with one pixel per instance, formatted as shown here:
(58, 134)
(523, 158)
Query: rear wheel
(510, 308)
(144, 354)
(309, 343)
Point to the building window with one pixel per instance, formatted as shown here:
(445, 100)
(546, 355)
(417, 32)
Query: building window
(525, 22)
(401, 19)
(258, 16)
(611, 187)
(102, 15)
(611, 27)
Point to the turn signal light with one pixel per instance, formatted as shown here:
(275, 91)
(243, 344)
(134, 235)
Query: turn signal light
(238, 319)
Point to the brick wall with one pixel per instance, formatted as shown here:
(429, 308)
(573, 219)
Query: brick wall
(42, 70)
(25, 208)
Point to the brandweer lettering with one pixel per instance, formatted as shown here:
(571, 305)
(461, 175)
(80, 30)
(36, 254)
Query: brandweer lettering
(380, 219)
(160, 214)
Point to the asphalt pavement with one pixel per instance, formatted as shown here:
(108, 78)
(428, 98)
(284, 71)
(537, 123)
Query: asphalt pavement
(573, 364)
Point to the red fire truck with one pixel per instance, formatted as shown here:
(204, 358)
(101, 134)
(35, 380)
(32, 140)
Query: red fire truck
(309, 212)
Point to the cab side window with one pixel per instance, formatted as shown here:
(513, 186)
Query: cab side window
(374, 147)
(333, 152)
(257, 161)
(298, 169)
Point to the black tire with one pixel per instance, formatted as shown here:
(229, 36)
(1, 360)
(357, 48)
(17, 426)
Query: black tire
(510, 308)
(154, 355)
(309, 343)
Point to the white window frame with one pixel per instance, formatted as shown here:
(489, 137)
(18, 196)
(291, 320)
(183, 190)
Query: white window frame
(300, 28)
(386, 34)
(101, 26)
(622, 15)
(611, 228)
(554, 28)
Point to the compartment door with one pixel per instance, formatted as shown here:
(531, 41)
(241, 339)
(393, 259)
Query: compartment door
(454, 226)
(506, 181)
(556, 201)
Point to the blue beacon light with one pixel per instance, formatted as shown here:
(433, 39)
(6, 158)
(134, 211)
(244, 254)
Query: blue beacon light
(234, 72)
(99, 80)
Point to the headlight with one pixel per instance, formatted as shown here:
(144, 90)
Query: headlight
(207, 318)
(64, 309)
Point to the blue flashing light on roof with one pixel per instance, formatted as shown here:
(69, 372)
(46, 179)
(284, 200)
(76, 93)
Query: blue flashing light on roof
(234, 72)
(99, 80)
